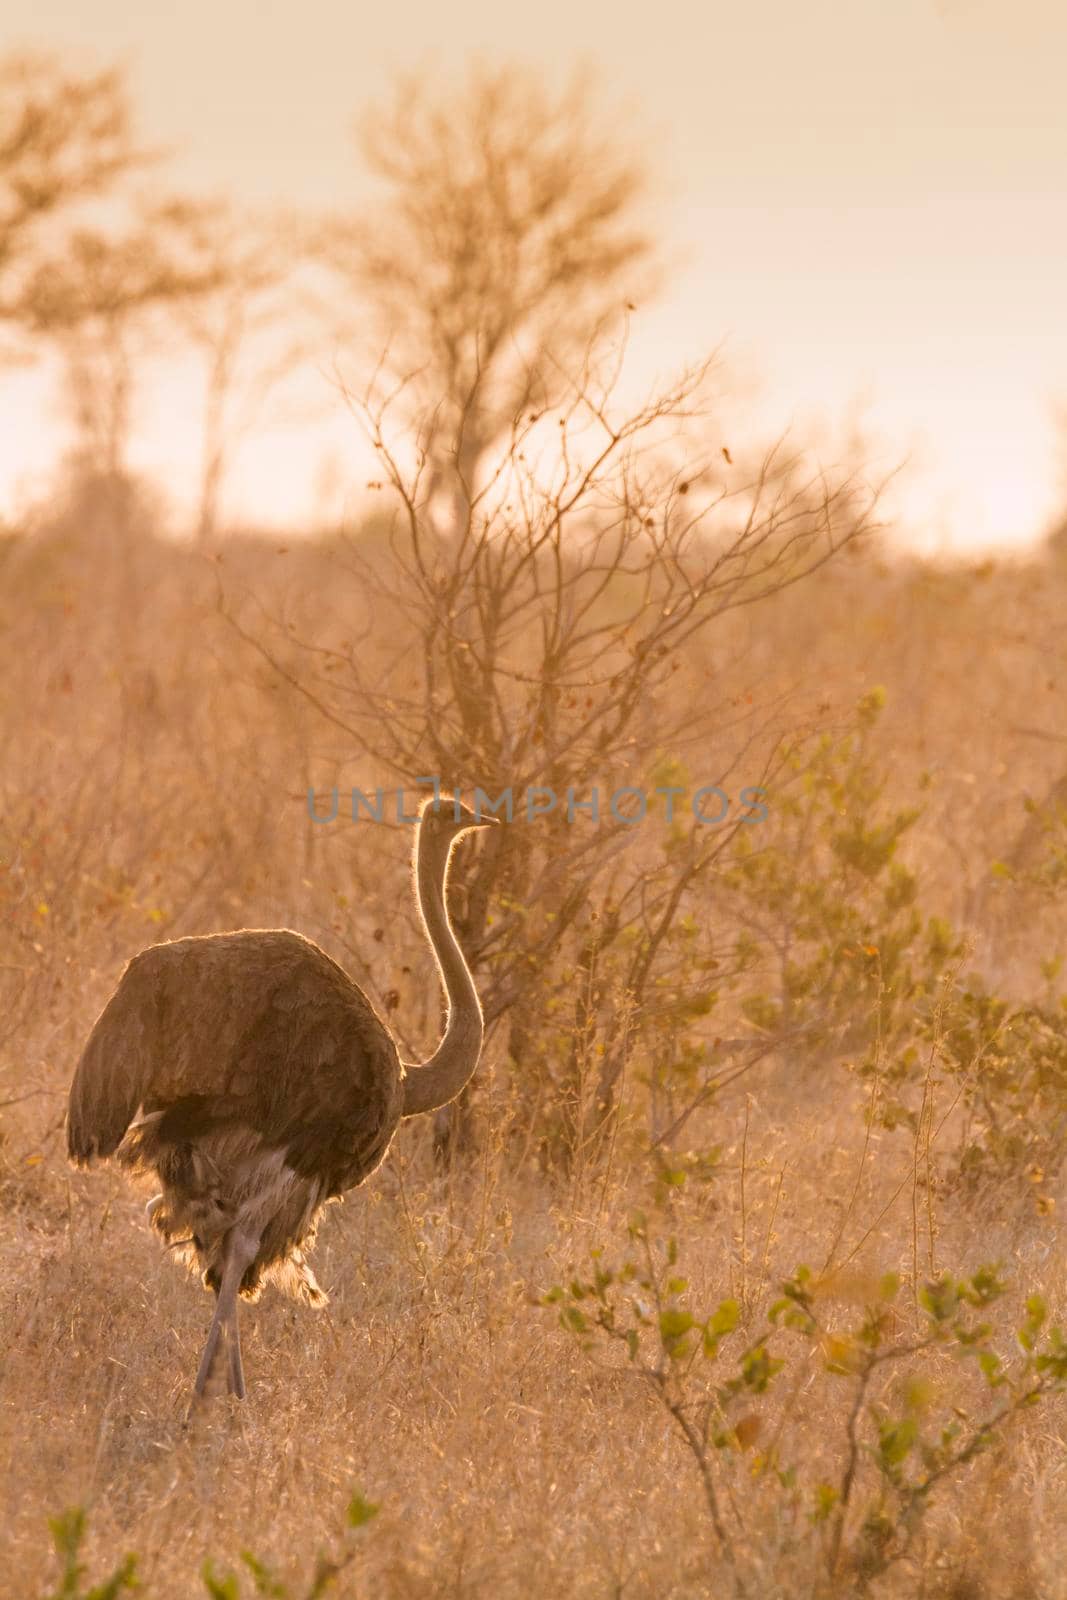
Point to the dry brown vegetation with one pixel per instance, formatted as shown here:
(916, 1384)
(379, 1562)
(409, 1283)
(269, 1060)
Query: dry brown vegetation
(559, 1357)
(153, 781)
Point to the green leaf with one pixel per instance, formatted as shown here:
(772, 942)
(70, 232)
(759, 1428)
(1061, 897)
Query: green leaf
(989, 1362)
(896, 1440)
(758, 1367)
(224, 1588)
(1036, 1309)
(940, 1300)
(263, 1578)
(986, 1286)
(673, 1324)
(68, 1532)
(721, 1322)
(124, 1577)
(361, 1511)
(826, 1498)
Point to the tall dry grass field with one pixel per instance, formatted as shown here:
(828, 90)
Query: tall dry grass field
(153, 775)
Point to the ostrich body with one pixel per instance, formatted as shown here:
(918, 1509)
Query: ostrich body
(257, 1081)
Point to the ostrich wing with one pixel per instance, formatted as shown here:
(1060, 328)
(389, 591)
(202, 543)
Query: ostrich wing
(116, 1066)
(257, 1029)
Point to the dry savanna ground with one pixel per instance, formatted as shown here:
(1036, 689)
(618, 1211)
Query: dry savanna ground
(153, 771)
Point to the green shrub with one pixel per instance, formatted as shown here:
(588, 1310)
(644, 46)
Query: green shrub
(68, 1534)
(858, 1495)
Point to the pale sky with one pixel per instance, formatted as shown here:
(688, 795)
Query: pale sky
(866, 201)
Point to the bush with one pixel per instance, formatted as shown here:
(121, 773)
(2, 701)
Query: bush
(855, 1499)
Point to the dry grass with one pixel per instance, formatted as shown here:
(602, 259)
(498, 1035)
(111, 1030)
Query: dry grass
(505, 1462)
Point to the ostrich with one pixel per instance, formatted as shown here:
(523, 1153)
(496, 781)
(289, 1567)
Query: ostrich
(266, 1085)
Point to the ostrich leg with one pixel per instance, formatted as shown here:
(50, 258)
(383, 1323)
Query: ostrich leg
(239, 1252)
(235, 1373)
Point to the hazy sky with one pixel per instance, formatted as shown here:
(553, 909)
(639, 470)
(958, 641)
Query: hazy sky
(867, 201)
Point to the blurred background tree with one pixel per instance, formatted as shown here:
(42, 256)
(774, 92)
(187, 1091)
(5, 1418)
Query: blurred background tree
(512, 233)
(64, 139)
(105, 298)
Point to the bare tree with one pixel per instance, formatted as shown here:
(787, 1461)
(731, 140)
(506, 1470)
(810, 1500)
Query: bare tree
(537, 607)
(511, 227)
(556, 643)
(89, 282)
(100, 297)
(256, 328)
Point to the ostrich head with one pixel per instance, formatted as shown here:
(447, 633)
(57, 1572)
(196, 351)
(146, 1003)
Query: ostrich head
(445, 819)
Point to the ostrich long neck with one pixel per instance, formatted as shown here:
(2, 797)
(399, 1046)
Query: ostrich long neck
(440, 1079)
